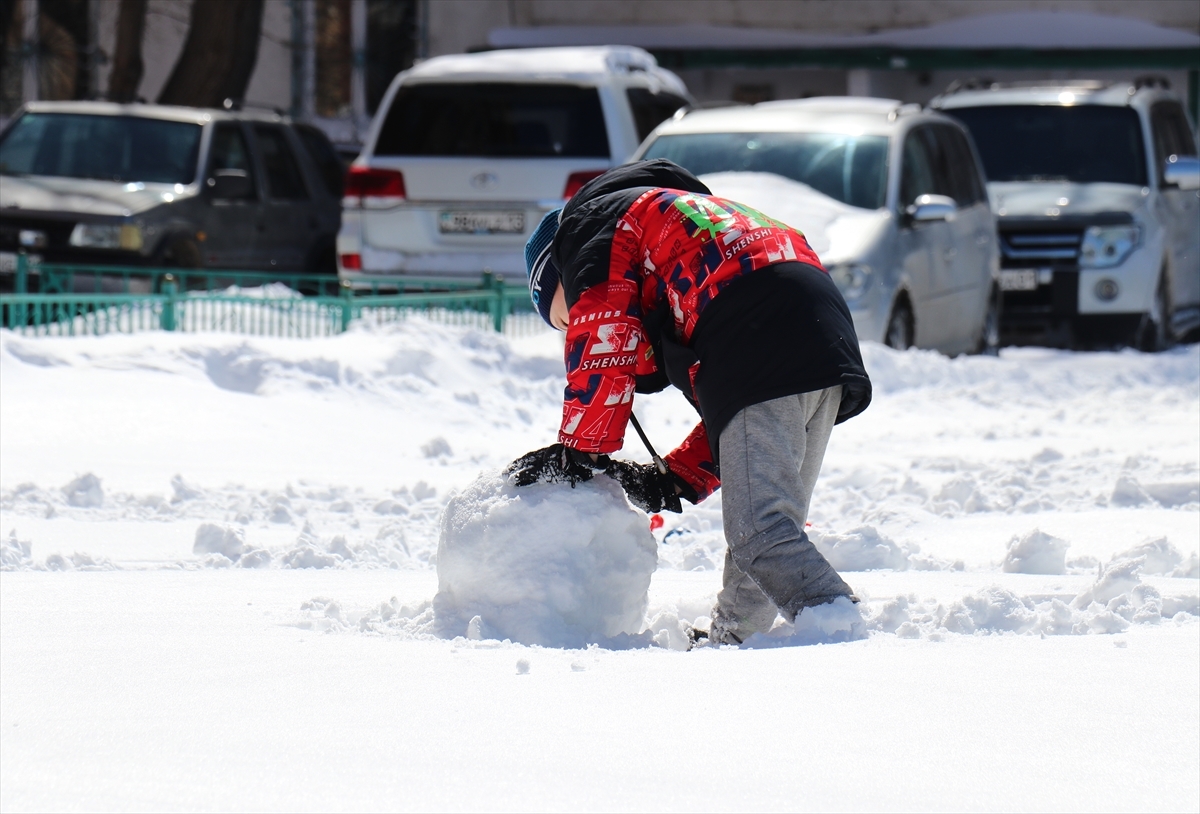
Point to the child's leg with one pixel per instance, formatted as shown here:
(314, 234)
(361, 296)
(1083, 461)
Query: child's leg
(742, 608)
(771, 454)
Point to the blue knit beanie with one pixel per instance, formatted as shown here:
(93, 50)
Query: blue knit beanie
(544, 276)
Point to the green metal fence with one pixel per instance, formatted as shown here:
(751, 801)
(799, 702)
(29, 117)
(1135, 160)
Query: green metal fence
(125, 300)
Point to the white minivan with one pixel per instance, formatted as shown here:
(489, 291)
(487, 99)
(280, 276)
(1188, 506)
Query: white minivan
(469, 151)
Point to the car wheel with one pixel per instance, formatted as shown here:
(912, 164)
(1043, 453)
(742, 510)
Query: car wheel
(989, 335)
(1154, 333)
(899, 333)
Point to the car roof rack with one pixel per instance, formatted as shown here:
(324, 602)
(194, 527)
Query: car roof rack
(975, 83)
(242, 104)
(1152, 81)
(709, 105)
(904, 110)
(971, 83)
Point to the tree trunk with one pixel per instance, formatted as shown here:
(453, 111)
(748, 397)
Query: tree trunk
(218, 56)
(127, 67)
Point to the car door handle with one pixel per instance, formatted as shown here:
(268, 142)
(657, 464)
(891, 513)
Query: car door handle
(949, 253)
(260, 225)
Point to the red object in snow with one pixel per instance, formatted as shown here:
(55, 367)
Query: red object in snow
(656, 522)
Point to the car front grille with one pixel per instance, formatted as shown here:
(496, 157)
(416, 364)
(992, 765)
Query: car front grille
(1046, 249)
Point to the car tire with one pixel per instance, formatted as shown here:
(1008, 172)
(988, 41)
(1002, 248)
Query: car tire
(1154, 332)
(899, 333)
(989, 335)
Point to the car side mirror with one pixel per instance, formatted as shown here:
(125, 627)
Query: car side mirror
(230, 185)
(928, 208)
(1182, 171)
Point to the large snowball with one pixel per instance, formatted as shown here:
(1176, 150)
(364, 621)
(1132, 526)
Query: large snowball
(543, 564)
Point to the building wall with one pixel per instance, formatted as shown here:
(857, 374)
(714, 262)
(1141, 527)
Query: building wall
(455, 26)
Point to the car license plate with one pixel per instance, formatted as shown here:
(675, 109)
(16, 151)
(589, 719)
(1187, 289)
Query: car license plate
(486, 222)
(1018, 280)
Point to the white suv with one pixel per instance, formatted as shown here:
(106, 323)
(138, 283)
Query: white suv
(467, 152)
(1094, 186)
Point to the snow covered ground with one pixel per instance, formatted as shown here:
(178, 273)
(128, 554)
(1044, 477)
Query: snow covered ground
(220, 565)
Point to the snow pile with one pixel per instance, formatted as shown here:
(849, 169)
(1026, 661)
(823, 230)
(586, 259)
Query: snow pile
(839, 621)
(227, 541)
(543, 564)
(1036, 553)
(861, 549)
(1160, 557)
(1117, 600)
(15, 554)
(84, 492)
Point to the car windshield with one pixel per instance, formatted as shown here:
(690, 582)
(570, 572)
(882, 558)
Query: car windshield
(494, 119)
(112, 148)
(852, 169)
(1084, 143)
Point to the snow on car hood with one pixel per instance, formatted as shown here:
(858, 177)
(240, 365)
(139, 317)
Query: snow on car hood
(1045, 198)
(92, 197)
(837, 232)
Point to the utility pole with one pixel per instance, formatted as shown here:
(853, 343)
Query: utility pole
(358, 67)
(30, 46)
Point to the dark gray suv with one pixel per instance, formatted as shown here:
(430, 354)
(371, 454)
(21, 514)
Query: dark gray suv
(98, 183)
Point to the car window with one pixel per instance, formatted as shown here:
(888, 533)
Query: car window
(960, 164)
(651, 108)
(1171, 133)
(109, 148)
(1184, 139)
(230, 152)
(493, 119)
(333, 172)
(1080, 143)
(284, 181)
(851, 169)
(917, 169)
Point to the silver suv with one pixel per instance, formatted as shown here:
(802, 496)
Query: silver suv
(890, 197)
(1094, 187)
(467, 152)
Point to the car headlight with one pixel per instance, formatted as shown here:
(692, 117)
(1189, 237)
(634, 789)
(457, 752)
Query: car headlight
(1107, 246)
(107, 236)
(851, 279)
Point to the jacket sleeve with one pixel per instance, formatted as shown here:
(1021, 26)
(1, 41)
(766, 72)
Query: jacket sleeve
(604, 340)
(692, 461)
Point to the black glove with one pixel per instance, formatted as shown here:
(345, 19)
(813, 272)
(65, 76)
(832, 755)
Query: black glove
(649, 489)
(555, 464)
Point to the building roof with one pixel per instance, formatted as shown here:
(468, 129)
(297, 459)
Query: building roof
(1036, 30)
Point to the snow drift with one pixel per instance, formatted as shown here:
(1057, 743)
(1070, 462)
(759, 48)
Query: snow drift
(543, 564)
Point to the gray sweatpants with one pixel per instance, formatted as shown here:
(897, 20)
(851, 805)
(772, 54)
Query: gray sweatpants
(771, 454)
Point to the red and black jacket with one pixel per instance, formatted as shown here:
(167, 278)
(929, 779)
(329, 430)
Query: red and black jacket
(666, 282)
